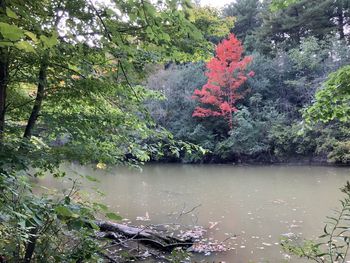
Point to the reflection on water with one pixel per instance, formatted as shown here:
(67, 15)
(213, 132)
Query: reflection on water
(258, 204)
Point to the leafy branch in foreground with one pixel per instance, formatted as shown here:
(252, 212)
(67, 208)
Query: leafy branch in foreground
(332, 101)
(333, 245)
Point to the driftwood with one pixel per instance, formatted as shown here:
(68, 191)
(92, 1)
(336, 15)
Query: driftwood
(160, 241)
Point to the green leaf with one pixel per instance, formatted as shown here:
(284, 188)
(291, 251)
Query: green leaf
(67, 200)
(11, 32)
(113, 216)
(76, 225)
(25, 46)
(94, 226)
(101, 206)
(19, 215)
(166, 37)
(91, 178)
(38, 220)
(6, 44)
(10, 13)
(65, 212)
(49, 42)
(32, 36)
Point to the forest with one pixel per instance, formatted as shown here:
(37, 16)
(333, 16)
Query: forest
(294, 53)
(109, 83)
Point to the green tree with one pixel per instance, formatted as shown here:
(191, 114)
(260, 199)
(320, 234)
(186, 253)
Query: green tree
(210, 22)
(339, 8)
(333, 100)
(247, 15)
(299, 20)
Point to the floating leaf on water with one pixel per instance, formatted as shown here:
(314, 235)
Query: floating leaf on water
(101, 166)
(213, 224)
(267, 244)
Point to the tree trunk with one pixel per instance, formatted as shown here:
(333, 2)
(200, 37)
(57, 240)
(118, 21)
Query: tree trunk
(148, 237)
(39, 96)
(4, 70)
(30, 246)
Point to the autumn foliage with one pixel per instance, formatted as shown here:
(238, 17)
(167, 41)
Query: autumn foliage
(226, 72)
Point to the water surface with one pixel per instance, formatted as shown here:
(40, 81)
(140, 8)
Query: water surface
(258, 204)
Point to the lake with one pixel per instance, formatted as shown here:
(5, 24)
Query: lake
(258, 204)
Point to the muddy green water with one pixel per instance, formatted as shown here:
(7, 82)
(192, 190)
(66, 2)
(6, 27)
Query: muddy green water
(258, 204)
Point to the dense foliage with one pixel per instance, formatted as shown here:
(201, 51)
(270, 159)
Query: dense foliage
(70, 90)
(296, 109)
(111, 82)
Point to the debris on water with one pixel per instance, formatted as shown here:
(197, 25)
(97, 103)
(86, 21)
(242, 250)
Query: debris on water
(289, 235)
(209, 247)
(279, 201)
(213, 224)
(267, 244)
(143, 218)
(196, 233)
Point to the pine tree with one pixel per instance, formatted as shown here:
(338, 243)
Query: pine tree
(302, 19)
(247, 14)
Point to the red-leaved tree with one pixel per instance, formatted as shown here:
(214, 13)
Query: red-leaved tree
(226, 72)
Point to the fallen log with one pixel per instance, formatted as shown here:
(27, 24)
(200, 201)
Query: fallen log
(123, 233)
